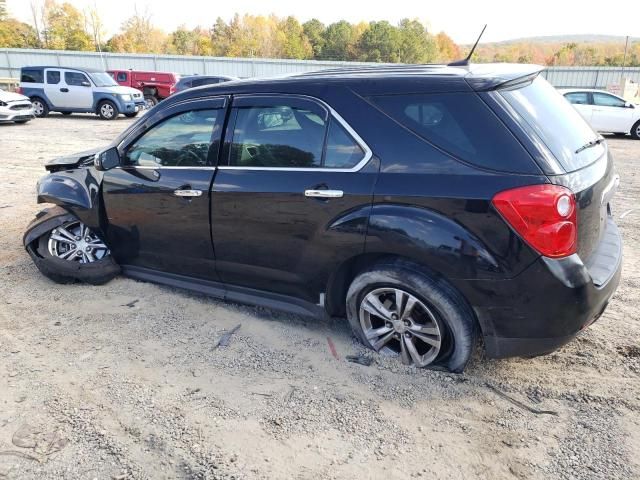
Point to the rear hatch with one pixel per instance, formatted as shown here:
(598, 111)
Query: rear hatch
(584, 163)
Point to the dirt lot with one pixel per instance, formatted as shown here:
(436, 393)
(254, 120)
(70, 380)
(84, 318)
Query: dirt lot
(122, 381)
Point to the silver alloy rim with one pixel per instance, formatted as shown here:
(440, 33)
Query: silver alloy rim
(106, 110)
(396, 322)
(150, 103)
(638, 131)
(75, 242)
(38, 108)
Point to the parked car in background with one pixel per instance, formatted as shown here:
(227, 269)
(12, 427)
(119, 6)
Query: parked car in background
(605, 111)
(15, 107)
(424, 203)
(155, 86)
(75, 90)
(199, 80)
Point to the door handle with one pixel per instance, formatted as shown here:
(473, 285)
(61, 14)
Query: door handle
(324, 193)
(187, 193)
(65, 90)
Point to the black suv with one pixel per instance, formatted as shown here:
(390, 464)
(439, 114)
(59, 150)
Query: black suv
(424, 203)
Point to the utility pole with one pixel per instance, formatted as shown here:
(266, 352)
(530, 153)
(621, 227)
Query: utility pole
(624, 58)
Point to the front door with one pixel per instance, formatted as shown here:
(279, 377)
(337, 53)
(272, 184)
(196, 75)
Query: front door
(79, 93)
(289, 195)
(610, 113)
(157, 202)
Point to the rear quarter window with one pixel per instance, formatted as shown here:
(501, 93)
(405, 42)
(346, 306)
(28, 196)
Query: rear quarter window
(32, 75)
(461, 125)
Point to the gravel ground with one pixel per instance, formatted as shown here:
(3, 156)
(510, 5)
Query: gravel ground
(122, 381)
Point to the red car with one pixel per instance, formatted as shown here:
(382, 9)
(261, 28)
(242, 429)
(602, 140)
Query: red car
(155, 86)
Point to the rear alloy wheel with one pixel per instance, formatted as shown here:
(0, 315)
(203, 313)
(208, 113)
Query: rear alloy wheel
(150, 100)
(108, 110)
(635, 130)
(396, 322)
(75, 242)
(40, 108)
(398, 308)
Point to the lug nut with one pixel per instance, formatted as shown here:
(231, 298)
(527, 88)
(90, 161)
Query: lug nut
(77, 239)
(88, 249)
(73, 246)
(87, 239)
(394, 316)
(79, 253)
(397, 336)
(407, 335)
(407, 323)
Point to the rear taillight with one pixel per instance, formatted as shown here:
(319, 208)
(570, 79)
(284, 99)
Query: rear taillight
(544, 215)
(19, 90)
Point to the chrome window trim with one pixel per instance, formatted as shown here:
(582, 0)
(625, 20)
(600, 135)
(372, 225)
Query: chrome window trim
(160, 167)
(368, 154)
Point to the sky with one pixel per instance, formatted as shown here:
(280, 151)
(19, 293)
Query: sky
(462, 20)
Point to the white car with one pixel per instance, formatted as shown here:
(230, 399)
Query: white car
(15, 107)
(605, 112)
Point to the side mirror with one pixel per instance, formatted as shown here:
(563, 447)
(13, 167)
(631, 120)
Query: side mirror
(107, 160)
(85, 83)
(629, 105)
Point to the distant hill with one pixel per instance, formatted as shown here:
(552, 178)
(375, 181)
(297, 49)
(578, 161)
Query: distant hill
(586, 38)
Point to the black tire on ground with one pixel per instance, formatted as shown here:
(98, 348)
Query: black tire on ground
(65, 271)
(635, 130)
(455, 318)
(21, 121)
(40, 106)
(151, 100)
(66, 113)
(131, 115)
(619, 134)
(107, 110)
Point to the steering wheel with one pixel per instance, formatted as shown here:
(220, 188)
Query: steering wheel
(186, 155)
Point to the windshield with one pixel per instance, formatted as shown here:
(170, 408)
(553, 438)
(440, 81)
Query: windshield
(556, 122)
(103, 79)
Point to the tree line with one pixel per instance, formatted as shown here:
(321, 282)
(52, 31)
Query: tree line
(61, 26)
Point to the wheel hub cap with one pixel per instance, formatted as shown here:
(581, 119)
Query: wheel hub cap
(396, 322)
(75, 242)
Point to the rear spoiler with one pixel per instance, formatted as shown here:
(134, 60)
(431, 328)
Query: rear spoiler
(498, 76)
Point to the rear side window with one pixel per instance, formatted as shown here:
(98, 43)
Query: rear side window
(32, 75)
(578, 98)
(53, 77)
(342, 150)
(121, 77)
(277, 137)
(556, 122)
(460, 124)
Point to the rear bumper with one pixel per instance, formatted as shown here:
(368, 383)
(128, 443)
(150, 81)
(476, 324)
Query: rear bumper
(549, 303)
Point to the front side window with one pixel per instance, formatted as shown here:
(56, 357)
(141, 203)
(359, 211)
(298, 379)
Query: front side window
(180, 141)
(32, 75)
(280, 136)
(604, 100)
(53, 77)
(578, 98)
(76, 79)
(122, 77)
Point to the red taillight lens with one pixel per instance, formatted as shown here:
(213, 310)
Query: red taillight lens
(544, 215)
(19, 90)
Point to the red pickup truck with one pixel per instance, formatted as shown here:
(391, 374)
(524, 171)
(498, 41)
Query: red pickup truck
(154, 85)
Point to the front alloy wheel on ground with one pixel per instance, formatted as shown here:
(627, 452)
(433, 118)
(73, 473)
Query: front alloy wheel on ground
(75, 242)
(635, 130)
(108, 110)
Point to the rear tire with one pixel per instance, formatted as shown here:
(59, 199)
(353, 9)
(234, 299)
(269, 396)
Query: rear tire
(635, 130)
(21, 122)
(434, 327)
(151, 101)
(131, 115)
(60, 270)
(40, 107)
(107, 110)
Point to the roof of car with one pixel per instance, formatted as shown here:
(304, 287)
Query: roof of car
(378, 79)
(80, 69)
(593, 90)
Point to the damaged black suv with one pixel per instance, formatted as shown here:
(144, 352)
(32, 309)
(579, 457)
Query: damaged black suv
(427, 204)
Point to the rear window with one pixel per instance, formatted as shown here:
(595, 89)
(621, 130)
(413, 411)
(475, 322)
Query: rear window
(32, 75)
(460, 124)
(556, 122)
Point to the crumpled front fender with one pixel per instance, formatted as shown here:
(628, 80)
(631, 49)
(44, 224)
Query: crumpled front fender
(45, 220)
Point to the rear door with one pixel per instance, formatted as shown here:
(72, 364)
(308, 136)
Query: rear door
(55, 89)
(290, 176)
(78, 91)
(610, 113)
(157, 202)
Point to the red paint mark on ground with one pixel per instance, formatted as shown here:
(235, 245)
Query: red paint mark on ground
(332, 347)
